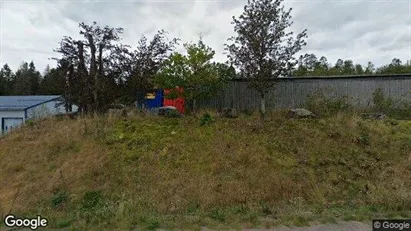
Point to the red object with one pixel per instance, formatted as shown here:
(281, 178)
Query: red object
(178, 102)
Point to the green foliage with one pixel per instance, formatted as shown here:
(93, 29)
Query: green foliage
(259, 49)
(391, 107)
(153, 225)
(395, 67)
(30, 123)
(59, 198)
(91, 200)
(172, 114)
(381, 103)
(63, 223)
(192, 208)
(322, 105)
(308, 65)
(218, 214)
(206, 119)
(265, 208)
(364, 136)
(194, 72)
(150, 223)
(6, 80)
(53, 82)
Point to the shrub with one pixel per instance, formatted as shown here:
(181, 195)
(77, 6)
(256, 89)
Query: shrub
(206, 119)
(364, 135)
(59, 198)
(217, 214)
(393, 108)
(30, 123)
(322, 105)
(172, 114)
(91, 200)
(381, 103)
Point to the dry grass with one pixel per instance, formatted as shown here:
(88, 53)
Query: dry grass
(153, 172)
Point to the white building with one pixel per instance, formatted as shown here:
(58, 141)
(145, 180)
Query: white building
(16, 110)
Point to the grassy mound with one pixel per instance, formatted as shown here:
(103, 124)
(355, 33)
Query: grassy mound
(148, 173)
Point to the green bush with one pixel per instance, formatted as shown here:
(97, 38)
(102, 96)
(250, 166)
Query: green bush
(381, 103)
(393, 108)
(59, 198)
(172, 114)
(91, 200)
(322, 105)
(206, 119)
(218, 215)
(30, 123)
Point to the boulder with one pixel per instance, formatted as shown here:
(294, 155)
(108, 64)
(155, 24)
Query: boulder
(300, 113)
(168, 111)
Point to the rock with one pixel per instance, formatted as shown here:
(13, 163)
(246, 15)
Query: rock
(168, 111)
(300, 113)
(229, 113)
(375, 116)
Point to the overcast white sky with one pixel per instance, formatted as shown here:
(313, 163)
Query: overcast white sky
(363, 31)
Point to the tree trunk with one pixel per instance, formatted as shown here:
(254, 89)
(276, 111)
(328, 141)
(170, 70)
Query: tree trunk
(93, 71)
(262, 105)
(98, 75)
(194, 105)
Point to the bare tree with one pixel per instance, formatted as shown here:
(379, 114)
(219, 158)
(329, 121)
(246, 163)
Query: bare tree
(86, 65)
(263, 48)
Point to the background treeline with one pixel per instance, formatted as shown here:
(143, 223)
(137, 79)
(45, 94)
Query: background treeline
(310, 65)
(28, 80)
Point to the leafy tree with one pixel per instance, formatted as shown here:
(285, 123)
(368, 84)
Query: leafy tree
(322, 67)
(263, 49)
(348, 67)
(358, 69)
(310, 62)
(145, 62)
(301, 70)
(337, 69)
(309, 65)
(370, 68)
(194, 72)
(225, 72)
(395, 67)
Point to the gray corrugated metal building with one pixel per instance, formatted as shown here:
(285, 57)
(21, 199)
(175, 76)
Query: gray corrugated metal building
(293, 92)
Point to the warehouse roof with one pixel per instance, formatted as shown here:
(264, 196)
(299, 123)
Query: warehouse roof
(21, 102)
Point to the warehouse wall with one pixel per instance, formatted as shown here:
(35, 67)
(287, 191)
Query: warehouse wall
(10, 114)
(47, 109)
(293, 92)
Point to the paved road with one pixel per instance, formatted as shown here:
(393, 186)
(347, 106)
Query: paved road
(343, 226)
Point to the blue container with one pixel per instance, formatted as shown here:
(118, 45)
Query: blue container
(154, 98)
